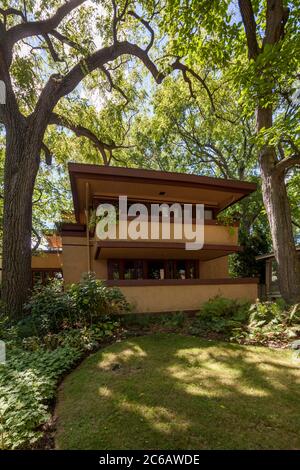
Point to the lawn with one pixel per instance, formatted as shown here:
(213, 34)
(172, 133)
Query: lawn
(179, 392)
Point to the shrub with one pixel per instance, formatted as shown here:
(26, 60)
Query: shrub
(269, 322)
(94, 301)
(51, 309)
(220, 315)
(173, 320)
(48, 308)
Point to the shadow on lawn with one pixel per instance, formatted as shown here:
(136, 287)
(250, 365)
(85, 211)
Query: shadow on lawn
(176, 392)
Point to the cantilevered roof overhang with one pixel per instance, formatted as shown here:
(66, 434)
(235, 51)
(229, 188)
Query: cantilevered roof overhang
(160, 250)
(90, 183)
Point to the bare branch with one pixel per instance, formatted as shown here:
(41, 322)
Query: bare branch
(48, 154)
(147, 25)
(51, 48)
(177, 65)
(113, 85)
(63, 39)
(38, 241)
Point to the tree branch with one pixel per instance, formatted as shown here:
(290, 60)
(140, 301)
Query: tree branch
(51, 48)
(36, 28)
(247, 13)
(113, 85)
(63, 39)
(147, 25)
(38, 237)
(58, 86)
(48, 154)
(177, 65)
(287, 163)
(81, 131)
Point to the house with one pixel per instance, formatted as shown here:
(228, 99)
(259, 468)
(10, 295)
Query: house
(155, 274)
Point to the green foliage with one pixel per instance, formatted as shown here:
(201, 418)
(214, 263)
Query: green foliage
(174, 320)
(48, 307)
(93, 300)
(51, 309)
(220, 315)
(271, 322)
(28, 383)
(244, 264)
(259, 323)
(59, 328)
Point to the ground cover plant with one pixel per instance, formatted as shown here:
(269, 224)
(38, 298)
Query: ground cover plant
(60, 328)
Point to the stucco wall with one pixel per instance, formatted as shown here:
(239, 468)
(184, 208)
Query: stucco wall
(47, 260)
(214, 269)
(75, 260)
(213, 234)
(186, 297)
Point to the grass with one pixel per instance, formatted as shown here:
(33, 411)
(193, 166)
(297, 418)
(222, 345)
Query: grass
(179, 392)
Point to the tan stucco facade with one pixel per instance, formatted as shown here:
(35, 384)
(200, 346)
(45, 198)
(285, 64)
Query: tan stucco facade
(52, 260)
(183, 297)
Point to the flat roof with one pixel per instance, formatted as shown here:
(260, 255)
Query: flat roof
(270, 255)
(152, 185)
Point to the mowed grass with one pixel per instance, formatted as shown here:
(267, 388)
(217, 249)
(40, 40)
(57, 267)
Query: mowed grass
(178, 392)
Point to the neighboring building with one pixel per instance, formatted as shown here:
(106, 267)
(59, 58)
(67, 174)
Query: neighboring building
(155, 275)
(47, 263)
(270, 290)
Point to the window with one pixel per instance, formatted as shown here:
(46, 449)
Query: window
(152, 269)
(43, 276)
(208, 214)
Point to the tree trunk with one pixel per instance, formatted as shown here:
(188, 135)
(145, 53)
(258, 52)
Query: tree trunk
(278, 211)
(279, 216)
(21, 167)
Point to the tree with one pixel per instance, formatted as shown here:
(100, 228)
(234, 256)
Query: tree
(254, 45)
(187, 137)
(61, 36)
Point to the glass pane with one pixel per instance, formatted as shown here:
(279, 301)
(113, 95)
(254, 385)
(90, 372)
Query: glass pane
(208, 214)
(191, 269)
(180, 269)
(114, 270)
(133, 269)
(156, 270)
(274, 277)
